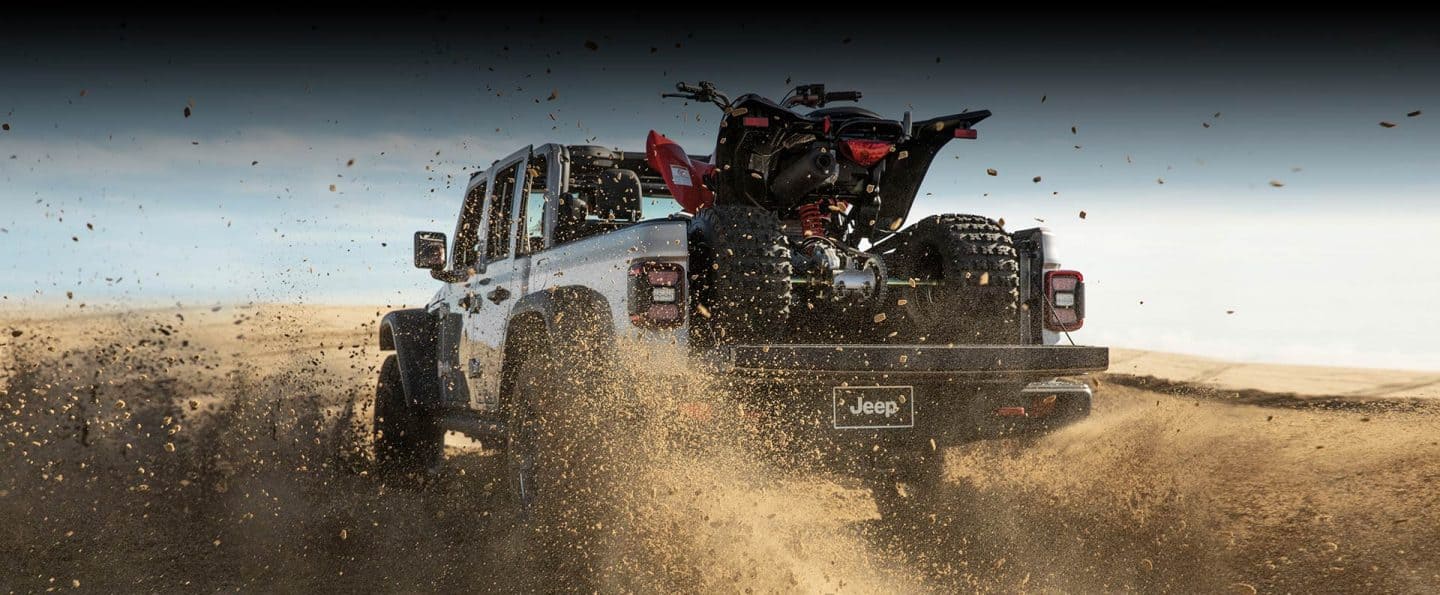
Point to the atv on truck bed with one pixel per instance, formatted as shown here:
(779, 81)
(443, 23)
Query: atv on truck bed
(745, 266)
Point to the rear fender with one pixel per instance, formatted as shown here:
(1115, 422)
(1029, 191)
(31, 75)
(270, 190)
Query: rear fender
(905, 168)
(684, 176)
(573, 316)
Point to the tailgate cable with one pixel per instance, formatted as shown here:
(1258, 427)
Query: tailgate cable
(1051, 310)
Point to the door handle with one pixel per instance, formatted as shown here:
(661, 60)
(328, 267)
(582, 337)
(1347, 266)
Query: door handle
(497, 295)
(468, 303)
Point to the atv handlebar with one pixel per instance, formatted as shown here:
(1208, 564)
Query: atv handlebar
(705, 91)
(817, 96)
(806, 95)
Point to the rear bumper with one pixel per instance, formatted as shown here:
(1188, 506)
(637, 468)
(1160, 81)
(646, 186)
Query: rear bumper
(969, 363)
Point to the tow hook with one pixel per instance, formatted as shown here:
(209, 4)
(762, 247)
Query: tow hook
(1042, 407)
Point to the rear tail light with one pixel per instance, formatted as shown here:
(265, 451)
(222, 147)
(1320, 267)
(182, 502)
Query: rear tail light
(968, 133)
(657, 294)
(1064, 300)
(865, 152)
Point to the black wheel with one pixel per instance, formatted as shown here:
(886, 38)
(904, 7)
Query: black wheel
(559, 432)
(408, 440)
(966, 280)
(741, 270)
(563, 418)
(523, 440)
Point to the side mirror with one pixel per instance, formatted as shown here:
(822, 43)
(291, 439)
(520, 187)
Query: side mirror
(429, 250)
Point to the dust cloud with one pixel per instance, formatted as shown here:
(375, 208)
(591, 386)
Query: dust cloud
(229, 449)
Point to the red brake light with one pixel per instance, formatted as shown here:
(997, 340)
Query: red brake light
(756, 121)
(663, 277)
(1064, 300)
(657, 294)
(966, 133)
(864, 152)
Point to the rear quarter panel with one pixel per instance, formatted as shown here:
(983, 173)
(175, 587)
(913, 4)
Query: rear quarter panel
(600, 263)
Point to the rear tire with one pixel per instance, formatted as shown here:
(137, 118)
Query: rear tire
(409, 441)
(741, 269)
(974, 261)
(563, 416)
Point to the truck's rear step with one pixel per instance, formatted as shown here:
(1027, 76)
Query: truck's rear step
(979, 362)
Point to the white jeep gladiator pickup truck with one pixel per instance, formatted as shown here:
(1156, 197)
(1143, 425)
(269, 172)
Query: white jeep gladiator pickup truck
(560, 253)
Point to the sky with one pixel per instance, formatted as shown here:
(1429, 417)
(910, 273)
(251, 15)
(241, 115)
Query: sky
(1241, 198)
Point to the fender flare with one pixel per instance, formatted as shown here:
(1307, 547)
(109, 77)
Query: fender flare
(411, 334)
(570, 312)
(569, 316)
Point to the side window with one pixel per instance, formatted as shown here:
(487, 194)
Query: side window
(467, 230)
(533, 211)
(502, 214)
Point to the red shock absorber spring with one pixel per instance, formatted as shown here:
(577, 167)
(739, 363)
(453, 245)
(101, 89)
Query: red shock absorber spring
(814, 216)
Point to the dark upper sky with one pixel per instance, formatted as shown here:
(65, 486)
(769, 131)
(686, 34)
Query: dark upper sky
(1171, 126)
(932, 60)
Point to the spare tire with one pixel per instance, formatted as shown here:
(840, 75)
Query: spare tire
(740, 268)
(966, 281)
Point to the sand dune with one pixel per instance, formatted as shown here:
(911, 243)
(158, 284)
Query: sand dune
(1305, 381)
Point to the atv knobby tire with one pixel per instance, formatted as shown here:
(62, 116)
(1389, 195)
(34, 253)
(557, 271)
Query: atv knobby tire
(741, 274)
(408, 440)
(974, 261)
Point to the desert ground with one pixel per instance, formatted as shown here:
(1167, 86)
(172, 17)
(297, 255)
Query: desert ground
(225, 448)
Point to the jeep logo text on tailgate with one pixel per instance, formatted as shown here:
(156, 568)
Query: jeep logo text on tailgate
(873, 407)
